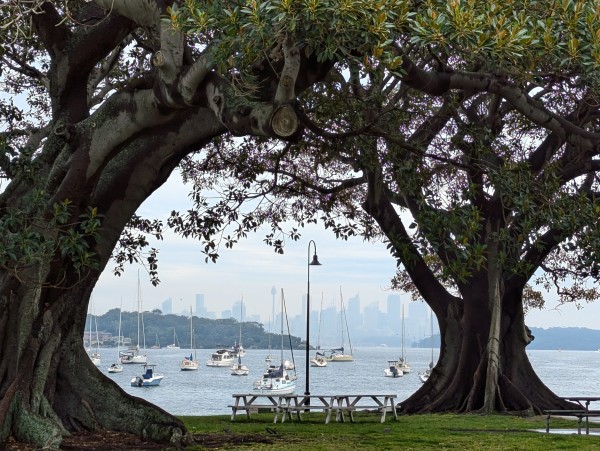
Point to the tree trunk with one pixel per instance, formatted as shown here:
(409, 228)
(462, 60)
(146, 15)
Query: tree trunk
(460, 379)
(50, 387)
(486, 320)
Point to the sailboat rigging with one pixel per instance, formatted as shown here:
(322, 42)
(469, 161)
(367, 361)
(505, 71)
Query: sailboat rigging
(117, 367)
(190, 363)
(237, 350)
(277, 379)
(338, 354)
(132, 355)
(319, 359)
(94, 355)
(424, 375)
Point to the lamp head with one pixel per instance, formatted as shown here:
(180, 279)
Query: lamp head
(315, 261)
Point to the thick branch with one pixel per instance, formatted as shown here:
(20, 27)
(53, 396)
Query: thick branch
(289, 74)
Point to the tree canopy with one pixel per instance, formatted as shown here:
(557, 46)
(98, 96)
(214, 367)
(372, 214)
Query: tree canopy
(462, 133)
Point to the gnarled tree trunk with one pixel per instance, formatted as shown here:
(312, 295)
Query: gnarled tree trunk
(461, 380)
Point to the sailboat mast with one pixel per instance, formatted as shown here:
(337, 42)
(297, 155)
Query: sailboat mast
(119, 337)
(138, 306)
(402, 331)
(282, 326)
(241, 313)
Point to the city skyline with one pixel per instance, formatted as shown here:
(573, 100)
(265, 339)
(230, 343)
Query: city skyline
(251, 269)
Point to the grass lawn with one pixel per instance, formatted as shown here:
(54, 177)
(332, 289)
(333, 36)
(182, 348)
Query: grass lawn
(411, 432)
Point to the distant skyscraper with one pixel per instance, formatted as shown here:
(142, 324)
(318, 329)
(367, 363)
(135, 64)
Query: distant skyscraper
(418, 324)
(353, 315)
(200, 309)
(238, 311)
(394, 312)
(226, 314)
(167, 306)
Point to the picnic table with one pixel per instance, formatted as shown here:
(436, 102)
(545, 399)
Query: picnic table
(285, 406)
(580, 413)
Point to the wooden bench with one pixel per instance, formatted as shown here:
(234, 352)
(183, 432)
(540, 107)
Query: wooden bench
(580, 413)
(380, 403)
(251, 403)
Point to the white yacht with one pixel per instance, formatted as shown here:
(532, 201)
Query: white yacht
(221, 357)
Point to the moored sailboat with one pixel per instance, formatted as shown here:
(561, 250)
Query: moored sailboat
(319, 360)
(424, 375)
(239, 369)
(237, 350)
(133, 354)
(175, 344)
(94, 355)
(117, 367)
(339, 354)
(190, 364)
(276, 379)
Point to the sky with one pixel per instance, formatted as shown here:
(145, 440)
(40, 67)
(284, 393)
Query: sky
(250, 270)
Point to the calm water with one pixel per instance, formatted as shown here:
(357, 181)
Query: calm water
(208, 391)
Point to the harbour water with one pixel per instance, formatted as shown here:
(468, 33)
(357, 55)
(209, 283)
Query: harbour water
(208, 390)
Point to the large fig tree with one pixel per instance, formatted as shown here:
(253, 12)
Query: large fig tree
(477, 120)
(100, 103)
(469, 142)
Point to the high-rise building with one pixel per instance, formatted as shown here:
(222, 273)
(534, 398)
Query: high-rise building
(200, 310)
(353, 315)
(167, 306)
(238, 311)
(418, 326)
(394, 311)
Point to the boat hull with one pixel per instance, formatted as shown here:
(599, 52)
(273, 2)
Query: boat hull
(115, 368)
(342, 358)
(238, 370)
(188, 365)
(393, 373)
(318, 363)
(142, 382)
(276, 389)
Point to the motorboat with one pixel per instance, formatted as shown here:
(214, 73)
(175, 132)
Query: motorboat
(132, 355)
(115, 368)
(221, 357)
(237, 349)
(148, 379)
(394, 369)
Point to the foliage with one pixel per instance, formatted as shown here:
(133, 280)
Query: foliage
(474, 123)
(208, 333)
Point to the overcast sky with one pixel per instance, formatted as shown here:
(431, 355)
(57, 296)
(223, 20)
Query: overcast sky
(251, 269)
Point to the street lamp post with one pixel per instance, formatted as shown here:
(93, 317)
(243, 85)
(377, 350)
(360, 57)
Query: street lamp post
(313, 262)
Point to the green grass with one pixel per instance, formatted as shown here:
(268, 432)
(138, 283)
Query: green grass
(411, 432)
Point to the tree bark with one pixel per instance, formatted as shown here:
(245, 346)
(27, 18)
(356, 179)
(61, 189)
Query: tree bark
(483, 365)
